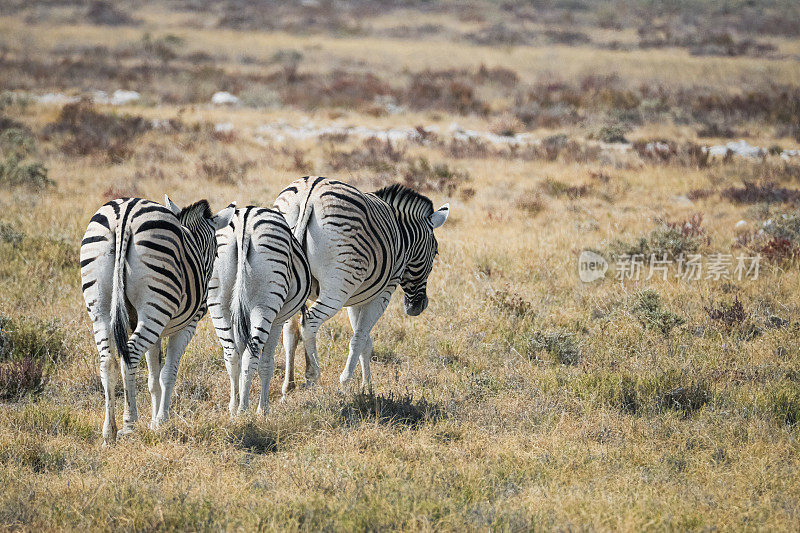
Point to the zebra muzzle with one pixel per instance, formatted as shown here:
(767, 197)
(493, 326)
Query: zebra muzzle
(415, 306)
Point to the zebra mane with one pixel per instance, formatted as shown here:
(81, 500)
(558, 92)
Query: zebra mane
(191, 213)
(405, 200)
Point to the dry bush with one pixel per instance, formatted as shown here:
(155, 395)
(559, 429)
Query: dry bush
(222, 167)
(558, 189)
(778, 250)
(498, 75)
(500, 34)
(105, 13)
(447, 90)
(86, 131)
(687, 154)
(423, 176)
(28, 348)
(297, 160)
(559, 344)
(531, 202)
(373, 154)
(508, 301)
(507, 125)
(752, 192)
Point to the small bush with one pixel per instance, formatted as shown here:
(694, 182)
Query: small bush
(672, 240)
(556, 188)
(560, 344)
(610, 134)
(648, 309)
(752, 192)
(18, 378)
(389, 409)
(105, 13)
(374, 154)
(420, 175)
(509, 301)
(734, 318)
(17, 166)
(531, 202)
(27, 349)
(778, 250)
(673, 391)
(87, 131)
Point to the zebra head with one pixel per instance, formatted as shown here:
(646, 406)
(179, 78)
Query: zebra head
(417, 220)
(203, 226)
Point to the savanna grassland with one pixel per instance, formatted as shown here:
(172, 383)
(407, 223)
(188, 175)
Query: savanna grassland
(522, 398)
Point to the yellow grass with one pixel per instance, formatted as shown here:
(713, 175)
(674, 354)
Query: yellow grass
(526, 443)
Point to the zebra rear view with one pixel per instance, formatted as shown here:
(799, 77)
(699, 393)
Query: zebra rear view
(261, 278)
(145, 269)
(360, 247)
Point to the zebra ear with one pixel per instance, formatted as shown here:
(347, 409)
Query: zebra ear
(232, 204)
(223, 218)
(171, 205)
(440, 215)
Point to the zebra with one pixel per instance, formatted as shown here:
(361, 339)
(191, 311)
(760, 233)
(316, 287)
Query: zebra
(360, 247)
(145, 267)
(260, 279)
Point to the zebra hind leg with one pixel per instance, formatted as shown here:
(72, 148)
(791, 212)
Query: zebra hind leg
(363, 319)
(251, 359)
(266, 368)
(324, 308)
(108, 377)
(153, 382)
(291, 335)
(176, 345)
(233, 363)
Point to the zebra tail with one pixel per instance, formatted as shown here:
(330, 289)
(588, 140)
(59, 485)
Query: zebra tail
(300, 227)
(241, 314)
(119, 310)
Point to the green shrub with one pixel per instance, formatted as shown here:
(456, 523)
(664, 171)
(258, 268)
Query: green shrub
(652, 315)
(17, 166)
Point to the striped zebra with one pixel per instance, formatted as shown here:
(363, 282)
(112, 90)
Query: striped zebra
(360, 247)
(145, 268)
(261, 278)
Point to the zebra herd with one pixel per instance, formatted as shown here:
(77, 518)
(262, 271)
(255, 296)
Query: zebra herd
(150, 272)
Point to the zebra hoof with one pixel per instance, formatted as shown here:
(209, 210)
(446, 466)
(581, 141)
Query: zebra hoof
(125, 431)
(109, 442)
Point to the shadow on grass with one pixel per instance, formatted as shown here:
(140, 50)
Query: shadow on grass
(388, 409)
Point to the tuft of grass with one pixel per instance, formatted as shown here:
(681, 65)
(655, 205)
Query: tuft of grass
(648, 308)
(560, 344)
(784, 402)
(389, 409)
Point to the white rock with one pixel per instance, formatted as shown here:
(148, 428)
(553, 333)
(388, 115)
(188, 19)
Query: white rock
(744, 149)
(223, 127)
(741, 227)
(56, 98)
(122, 97)
(224, 98)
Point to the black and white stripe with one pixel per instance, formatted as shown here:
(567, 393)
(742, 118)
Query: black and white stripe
(360, 247)
(261, 278)
(145, 270)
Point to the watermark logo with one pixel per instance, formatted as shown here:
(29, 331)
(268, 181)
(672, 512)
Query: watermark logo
(591, 266)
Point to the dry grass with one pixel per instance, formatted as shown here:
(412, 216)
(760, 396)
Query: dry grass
(523, 398)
